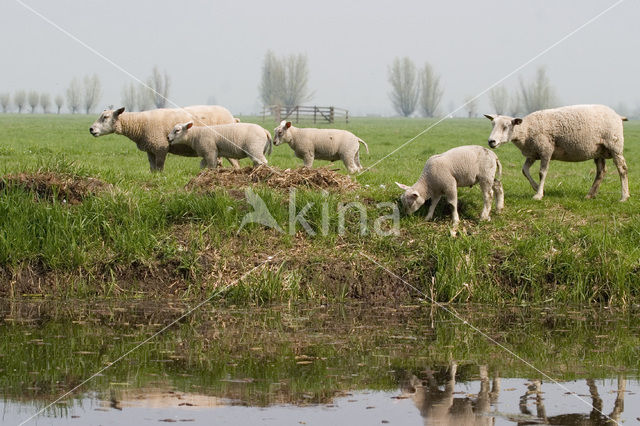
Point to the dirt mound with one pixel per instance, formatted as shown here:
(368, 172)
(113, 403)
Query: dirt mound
(319, 178)
(66, 188)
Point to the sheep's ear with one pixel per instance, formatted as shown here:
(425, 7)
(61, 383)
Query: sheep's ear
(286, 126)
(282, 123)
(189, 125)
(516, 121)
(402, 186)
(490, 116)
(118, 111)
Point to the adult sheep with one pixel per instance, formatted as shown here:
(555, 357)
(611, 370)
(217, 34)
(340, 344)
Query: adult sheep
(571, 133)
(149, 129)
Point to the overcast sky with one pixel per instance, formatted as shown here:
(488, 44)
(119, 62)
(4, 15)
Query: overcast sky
(216, 48)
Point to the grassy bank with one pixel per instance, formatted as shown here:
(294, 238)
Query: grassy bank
(147, 236)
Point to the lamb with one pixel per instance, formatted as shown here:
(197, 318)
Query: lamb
(149, 129)
(444, 173)
(323, 144)
(570, 133)
(236, 141)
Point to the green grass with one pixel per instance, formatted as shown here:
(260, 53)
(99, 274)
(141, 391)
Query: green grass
(150, 237)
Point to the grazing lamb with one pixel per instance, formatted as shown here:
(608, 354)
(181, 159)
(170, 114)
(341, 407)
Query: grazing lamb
(149, 129)
(236, 141)
(444, 173)
(571, 133)
(323, 144)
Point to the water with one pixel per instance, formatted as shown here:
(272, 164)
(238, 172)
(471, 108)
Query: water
(325, 365)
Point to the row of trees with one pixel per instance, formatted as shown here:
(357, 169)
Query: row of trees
(413, 88)
(285, 80)
(80, 95)
(83, 95)
(23, 99)
(141, 97)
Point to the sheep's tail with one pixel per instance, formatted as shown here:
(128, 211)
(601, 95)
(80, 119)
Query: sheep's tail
(269, 145)
(365, 145)
(623, 118)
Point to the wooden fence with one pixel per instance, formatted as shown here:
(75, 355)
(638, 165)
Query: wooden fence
(328, 114)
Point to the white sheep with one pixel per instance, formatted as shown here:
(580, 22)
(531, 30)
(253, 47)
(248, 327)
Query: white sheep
(323, 144)
(148, 129)
(571, 133)
(444, 173)
(235, 141)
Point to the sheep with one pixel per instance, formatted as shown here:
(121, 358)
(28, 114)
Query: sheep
(323, 144)
(444, 173)
(235, 141)
(149, 129)
(570, 133)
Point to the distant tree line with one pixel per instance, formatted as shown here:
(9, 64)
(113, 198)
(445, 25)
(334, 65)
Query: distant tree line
(413, 88)
(153, 94)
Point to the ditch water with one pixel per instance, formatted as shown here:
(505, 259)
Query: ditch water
(338, 365)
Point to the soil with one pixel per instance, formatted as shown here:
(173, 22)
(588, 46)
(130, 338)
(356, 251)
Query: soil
(65, 188)
(273, 177)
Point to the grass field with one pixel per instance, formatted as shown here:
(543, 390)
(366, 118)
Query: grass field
(151, 237)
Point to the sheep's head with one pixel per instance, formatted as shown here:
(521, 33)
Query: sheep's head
(281, 133)
(502, 129)
(179, 132)
(106, 123)
(411, 199)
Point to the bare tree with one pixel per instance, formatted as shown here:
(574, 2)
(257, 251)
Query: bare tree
(129, 97)
(5, 101)
(430, 91)
(33, 98)
(59, 101)
(471, 105)
(92, 92)
(515, 105)
(45, 102)
(272, 85)
(20, 99)
(297, 78)
(159, 87)
(499, 100)
(74, 95)
(144, 98)
(404, 86)
(537, 95)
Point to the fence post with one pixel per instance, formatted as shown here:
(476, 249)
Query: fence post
(331, 114)
(346, 114)
(297, 113)
(277, 113)
(315, 109)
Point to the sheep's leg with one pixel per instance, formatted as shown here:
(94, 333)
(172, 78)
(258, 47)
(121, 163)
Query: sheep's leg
(544, 167)
(499, 194)
(356, 159)
(350, 164)
(452, 198)
(432, 207)
(160, 157)
(211, 159)
(203, 163)
(234, 163)
(152, 161)
(308, 160)
(259, 159)
(621, 164)
(525, 171)
(487, 196)
(601, 169)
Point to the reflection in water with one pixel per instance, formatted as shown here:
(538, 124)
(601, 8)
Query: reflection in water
(595, 417)
(442, 407)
